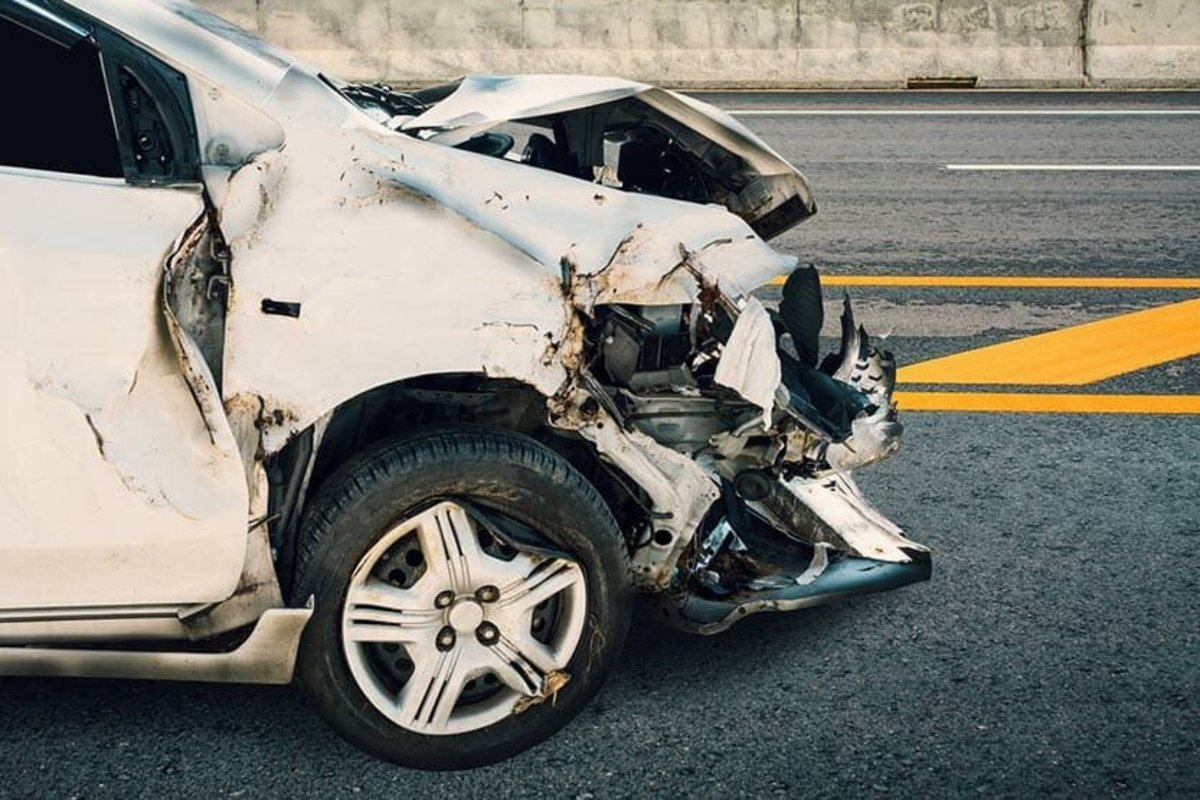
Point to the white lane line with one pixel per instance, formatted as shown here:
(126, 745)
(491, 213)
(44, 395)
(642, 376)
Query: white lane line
(1074, 167)
(965, 112)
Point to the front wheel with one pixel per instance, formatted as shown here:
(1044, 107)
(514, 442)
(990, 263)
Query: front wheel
(471, 594)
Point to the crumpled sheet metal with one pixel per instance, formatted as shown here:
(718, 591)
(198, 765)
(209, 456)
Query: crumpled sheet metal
(445, 261)
(749, 364)
(680, 490)
(839, 579)
(838, 501)
(483, 101)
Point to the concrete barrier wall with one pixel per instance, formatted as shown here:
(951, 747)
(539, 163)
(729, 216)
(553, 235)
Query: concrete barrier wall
(1143, 42)
(743, 43)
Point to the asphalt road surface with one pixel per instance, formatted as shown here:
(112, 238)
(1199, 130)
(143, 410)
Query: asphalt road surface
(1055, 652)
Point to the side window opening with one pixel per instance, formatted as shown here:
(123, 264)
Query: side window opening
(57, 116)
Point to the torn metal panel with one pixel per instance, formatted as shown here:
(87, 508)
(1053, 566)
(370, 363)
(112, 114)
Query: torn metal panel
(667, 264)
(195, 283)
(838, 500)
(746, 562)
(748, 364)
(872, 438)
(680, 490)
(874, 434)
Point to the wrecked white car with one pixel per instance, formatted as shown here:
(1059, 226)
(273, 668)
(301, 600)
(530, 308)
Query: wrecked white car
(406, 394)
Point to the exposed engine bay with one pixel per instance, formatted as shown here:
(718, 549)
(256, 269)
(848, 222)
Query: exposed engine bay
(663, 369)
(743, 391)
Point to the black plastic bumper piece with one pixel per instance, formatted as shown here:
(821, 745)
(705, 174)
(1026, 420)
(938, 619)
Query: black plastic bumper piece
(844, 577)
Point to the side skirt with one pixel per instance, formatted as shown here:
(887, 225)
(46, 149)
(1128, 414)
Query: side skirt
(268, 655)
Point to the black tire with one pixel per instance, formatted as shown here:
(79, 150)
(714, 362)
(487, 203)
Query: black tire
(493, 469)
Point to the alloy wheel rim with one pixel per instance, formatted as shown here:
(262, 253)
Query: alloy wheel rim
(461, 636)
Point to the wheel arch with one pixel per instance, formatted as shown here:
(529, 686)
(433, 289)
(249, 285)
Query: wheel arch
(297, 472)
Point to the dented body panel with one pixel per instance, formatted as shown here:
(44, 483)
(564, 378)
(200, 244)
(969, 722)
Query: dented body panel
(508, 283)
(111, 472)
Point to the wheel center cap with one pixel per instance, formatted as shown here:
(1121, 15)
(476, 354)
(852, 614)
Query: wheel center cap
(465, 615)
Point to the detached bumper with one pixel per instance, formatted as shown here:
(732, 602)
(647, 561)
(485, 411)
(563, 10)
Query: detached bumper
(808, 542)
(844, 578)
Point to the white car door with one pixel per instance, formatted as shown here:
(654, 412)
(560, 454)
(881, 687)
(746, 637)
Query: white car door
(120, 481)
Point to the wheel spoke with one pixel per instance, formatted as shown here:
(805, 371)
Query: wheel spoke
(379, 612)
(428, 697)
(545, 580)
(451, 547)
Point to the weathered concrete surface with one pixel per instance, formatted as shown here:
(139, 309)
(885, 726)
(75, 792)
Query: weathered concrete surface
(1144, 43)
(743, 43)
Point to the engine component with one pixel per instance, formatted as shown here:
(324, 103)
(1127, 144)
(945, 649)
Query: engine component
(682, 423)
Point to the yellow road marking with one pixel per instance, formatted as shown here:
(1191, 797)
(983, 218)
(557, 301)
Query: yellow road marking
(1049, 403)
(1069, 357)
(1073, 356)
(1003, 282)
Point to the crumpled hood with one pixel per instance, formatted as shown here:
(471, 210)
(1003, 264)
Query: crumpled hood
(776, 196)
(633, 245)
(481, 101)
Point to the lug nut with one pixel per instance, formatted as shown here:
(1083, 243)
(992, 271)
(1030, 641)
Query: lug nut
(445, 639)
(487, 633)
(444, 599)
(487, 594)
